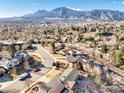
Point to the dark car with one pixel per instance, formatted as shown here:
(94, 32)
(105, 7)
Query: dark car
(65, 90)
(2, 74)
(24, 76)
(37, 70)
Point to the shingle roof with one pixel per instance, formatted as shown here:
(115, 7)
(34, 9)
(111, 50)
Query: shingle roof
(55, 86)
(11, 62)
(69, 74)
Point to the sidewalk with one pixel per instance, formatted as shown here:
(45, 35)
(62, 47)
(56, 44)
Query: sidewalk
(4, 85)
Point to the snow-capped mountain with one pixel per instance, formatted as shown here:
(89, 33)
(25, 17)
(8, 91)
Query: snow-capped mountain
(70, 14)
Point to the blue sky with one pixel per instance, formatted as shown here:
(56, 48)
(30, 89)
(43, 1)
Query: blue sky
(9, 8)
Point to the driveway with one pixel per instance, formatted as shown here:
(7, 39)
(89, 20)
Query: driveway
(18, 85)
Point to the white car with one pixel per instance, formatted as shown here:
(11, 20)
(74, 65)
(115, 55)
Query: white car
(24, 76)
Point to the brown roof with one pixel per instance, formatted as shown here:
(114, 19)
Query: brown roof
(55, 86)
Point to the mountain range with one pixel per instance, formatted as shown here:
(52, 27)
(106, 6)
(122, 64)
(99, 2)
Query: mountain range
(63, 13)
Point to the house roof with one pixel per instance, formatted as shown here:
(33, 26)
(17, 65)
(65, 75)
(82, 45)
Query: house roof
(4, 62)
(72, 59)
(84, 84)
(11, 62)
(10, 42)
(55, 86)
(69, 74)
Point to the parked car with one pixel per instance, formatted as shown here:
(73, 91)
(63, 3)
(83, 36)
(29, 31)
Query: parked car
(65, 90)
(37, 70)
(24, 76)
(2, 74)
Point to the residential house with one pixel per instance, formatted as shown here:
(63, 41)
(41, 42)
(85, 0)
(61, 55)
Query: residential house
(81, 62)
(69, 76)
(15, 63)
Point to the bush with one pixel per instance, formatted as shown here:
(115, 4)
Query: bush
(90, 39)
(43, 43)
(103, 48)
(31, 42)
(122, 38)
(54, 64)
(116, 58)
(57, 65)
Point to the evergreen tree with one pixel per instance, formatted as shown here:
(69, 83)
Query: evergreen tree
(116, 58)
(12, 50)
(103, 48)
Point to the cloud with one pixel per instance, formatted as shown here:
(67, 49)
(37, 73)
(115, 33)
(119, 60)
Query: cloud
(116, 3)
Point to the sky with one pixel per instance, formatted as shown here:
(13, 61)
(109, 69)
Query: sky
(13, 8)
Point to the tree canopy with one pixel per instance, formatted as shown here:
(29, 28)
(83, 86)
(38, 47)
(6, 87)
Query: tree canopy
(116, 58)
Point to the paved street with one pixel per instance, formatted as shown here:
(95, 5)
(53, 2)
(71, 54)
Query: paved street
(18, 85)
(47, 57)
